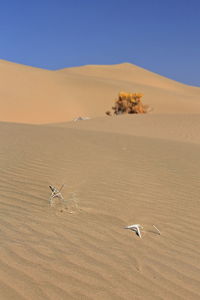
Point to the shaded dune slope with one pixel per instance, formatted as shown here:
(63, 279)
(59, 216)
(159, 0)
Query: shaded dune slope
(117, 180)
(33, 95)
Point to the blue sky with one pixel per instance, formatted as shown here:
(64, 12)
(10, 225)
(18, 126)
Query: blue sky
(160, 35)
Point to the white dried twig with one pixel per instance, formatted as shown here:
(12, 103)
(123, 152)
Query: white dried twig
(55, 193)
(157, 229)
(136, 228)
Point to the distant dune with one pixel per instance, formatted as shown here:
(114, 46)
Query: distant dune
(32, 95)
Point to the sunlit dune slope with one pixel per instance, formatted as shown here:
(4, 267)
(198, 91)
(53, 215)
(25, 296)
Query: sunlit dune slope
(33, 95)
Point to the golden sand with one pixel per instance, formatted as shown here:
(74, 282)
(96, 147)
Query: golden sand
(141, 169)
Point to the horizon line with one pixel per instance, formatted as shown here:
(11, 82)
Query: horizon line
(96, 65)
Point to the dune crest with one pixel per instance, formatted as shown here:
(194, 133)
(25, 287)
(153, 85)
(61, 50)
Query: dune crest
(33, 95)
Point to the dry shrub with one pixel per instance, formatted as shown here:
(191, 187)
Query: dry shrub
(129, 103)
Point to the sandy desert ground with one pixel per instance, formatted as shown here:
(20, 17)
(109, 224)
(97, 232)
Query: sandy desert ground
(117, 171)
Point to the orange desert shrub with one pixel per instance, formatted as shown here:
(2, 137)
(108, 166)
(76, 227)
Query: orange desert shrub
(128, 103)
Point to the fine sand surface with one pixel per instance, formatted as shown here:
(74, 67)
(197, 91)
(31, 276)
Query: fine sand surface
(117, 171)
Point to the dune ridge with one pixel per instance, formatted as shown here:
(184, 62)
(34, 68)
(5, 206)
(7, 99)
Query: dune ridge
(33, 95)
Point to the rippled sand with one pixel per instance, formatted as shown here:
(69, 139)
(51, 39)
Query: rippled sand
(79, 249)
(117, 171)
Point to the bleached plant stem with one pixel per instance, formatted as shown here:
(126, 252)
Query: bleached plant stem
(136, 228)
(157, 229)
(55, 194)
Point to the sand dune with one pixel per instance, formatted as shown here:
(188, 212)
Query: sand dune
(32, 95)
(117, 171)
(115, 180)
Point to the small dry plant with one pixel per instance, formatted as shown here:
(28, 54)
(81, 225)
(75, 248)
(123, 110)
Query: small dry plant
(70, 205)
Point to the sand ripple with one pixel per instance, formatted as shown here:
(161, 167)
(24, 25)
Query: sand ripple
(118, 180)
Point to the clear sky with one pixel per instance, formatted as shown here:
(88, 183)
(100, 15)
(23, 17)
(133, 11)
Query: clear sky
(160, 35)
